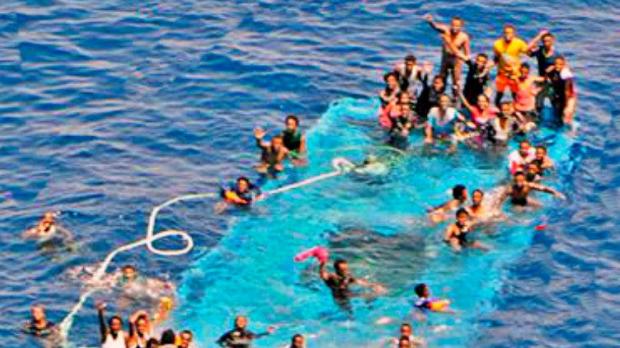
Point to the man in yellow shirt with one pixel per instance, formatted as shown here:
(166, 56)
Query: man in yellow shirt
(508, 51)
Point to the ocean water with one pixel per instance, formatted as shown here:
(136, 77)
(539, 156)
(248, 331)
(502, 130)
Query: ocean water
(108, 108)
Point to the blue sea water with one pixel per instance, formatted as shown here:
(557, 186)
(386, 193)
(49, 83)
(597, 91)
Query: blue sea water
(108, 108)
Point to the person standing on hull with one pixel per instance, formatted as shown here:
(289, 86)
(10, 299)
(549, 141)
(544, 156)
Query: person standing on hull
(240, 336)
(441, 123)
(545, 55)
(112, 335)
(458, 39)
(527, 91)
(508, 51)
(564, 91)
(410, 76)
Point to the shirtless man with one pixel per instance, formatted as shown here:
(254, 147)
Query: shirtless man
(458, 39)
(519, 190)
(340, 281)
(47, 228)
(273, 153)
(459, 198)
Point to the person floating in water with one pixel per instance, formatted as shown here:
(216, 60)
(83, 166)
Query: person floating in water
(48, 228)
(407, 337)
(456, 235)
(112, 334)
(39, 326)
(240, 336)
(426, 303)
(459, 43)
(518, 192)
(294, 140)
(273, 153)
(459, 198)
(341, 280)
(242, 194)
(544, 162)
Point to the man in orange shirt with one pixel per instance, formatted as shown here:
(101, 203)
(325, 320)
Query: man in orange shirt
(508, 51)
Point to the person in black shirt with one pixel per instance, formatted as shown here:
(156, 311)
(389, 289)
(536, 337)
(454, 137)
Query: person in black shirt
(429, 97)
(545, 55)
(240, 336)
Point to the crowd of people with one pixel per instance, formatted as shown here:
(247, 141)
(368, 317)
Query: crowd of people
(474, 112)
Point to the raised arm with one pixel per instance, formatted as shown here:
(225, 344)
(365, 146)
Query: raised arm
(259, 134)
(547, 189)
(532, 44)
(323, 273)
(439, 27)
(103, 330)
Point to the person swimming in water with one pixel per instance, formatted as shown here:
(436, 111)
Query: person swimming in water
(459, 198)
(298, 341)
(242, 194)
(47, 228)
(564, 98)
(456, 235)
(112, 334)
(406, 335)
(39, 326)
(339, 282)
(518, 192)
(273, 153)
(240, 336)
(426, 303)
(477, 210)
(294, 140)
(544, 162)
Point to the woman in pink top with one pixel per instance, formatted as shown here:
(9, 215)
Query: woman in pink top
(525, 98)
(481, 113)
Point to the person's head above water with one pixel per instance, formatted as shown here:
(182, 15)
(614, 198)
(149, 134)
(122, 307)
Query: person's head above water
(404, 342)
(444, 102)
(277, 142)
(483, 101)
(506, 108)
(37, 313)
(422, 290)
(524, 148)
(406, 330)
(477, 196)
(438, 84)
(462, 216)
(298, 341)
(404, 98)
(410, 61)
(129, 272)
(559, 63)
(391, 81)
(509, 32)
(115, 323)
(541, 152)
(186, 337)
(292, 123)
(342, 267)
(142, 324)
(519, 179)
(456, 25)
(243, 184)
(241, 322)
(459, 192)
(481, 60)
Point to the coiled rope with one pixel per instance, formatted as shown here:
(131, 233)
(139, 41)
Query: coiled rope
(151, 236)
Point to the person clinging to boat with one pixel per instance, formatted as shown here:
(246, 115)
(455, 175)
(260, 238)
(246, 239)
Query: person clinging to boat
(294, 140)
(242, 194)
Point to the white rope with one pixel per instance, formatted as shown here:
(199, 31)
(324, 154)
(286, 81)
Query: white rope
(151, 236)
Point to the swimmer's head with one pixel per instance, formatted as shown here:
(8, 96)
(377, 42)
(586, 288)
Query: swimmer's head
(533, 169)
(524, 148)
(506, 108)
(477, 196)
(342, 267)
(481, 60)
(422, 290)
(438, 83)
(519, 179)
(404, 98)
(462, 216)
(277, 142)
(298, 341)
(541, 152)
(405, 329)
(37, 312)
(509, 32)
(241, 322)
(559, 63)
(243, 184)
(404, 342)
(391, 80)
(459, 192)
(548, 40)
(410, 61)
(524, 70)
(129, 272)
(186, 337)
(456, 25)
(115, 323)
(292, 123)
(483, 101)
